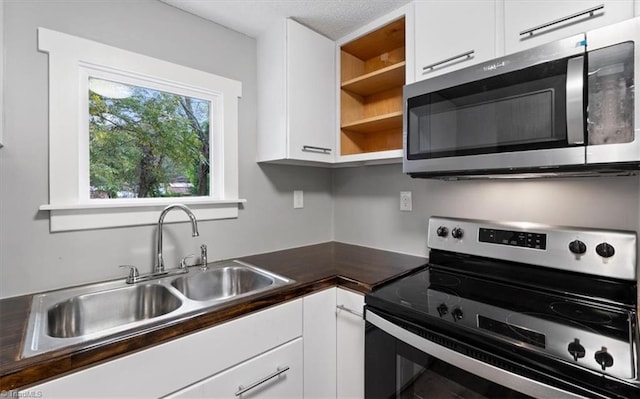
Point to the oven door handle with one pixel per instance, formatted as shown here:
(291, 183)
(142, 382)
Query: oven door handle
(484, 370)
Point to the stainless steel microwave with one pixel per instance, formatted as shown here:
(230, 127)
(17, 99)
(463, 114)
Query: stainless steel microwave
(566, 107)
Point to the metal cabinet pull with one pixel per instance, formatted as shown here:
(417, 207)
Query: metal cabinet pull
(310, 148)
(467, 54)
(590, 11)
(279, 371)
(353, 312)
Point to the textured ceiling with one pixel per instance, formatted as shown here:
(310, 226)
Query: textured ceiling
(332, 18)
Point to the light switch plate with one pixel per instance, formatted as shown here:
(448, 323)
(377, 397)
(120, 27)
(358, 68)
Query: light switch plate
(298, 199)
(405, 201)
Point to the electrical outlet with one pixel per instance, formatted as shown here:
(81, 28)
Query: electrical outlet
(298, 199)
(405, 201)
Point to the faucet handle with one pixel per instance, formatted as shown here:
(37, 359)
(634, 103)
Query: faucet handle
(203, 257)
(133, 273)
(183, 261)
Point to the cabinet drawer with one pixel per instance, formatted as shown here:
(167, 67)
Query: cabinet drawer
(275, 374)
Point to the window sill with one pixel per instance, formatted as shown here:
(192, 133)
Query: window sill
(102, 214)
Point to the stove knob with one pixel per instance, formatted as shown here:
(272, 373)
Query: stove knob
(577, 247)
(457, 232)
(603, 358)
(457, 314)
(605, 250)
(442, 309)
(576, 350)
(442, 231)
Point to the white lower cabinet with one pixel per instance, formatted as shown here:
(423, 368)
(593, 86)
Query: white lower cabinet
(319, 332)
(311, 347)
(275, 374)
(350, 345)
(333, 331)
(170, 367)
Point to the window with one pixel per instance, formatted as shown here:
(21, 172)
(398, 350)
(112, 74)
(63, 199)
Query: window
(146, 143)
(1, 76)
(130, 134)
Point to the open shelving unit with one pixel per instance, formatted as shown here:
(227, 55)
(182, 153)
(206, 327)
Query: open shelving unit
(372, 73)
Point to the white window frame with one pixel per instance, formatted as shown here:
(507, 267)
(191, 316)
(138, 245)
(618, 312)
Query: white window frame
(71, 61)
(2, 66)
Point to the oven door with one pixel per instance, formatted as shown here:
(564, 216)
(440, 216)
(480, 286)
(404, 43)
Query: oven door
(517, 112)
(403, 360)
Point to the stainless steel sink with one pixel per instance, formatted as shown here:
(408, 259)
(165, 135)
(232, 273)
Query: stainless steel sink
(98, 311)
(225, 282)
(108, 311)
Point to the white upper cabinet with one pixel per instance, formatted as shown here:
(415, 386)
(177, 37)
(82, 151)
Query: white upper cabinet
(450, 35)
(296, 95)
(521, 16)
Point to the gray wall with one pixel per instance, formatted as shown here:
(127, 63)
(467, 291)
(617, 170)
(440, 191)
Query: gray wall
(366, 204)
(356, 205)
(31, 258)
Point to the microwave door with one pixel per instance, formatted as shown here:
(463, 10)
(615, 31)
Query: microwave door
(613, 57)
(524, 114)
(529, 118)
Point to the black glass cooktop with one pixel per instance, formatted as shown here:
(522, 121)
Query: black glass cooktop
(421, 296)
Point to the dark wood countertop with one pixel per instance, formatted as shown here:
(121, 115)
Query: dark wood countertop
(313, 268)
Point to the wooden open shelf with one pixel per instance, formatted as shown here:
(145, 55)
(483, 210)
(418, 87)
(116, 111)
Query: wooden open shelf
(352, 143)
(376, 81)
(376, 123)
(372, 74)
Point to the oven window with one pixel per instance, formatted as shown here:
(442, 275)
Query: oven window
(422, 376)
(394, 369)
(521, 110)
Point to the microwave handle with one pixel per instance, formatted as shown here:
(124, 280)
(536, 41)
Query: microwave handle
(575, 100)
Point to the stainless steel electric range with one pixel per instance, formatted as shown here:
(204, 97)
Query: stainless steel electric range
(508, 310)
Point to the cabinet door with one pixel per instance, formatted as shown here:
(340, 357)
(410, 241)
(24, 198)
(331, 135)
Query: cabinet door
(446, 30)
(522, 15)
(311, 98)
(319, 333)
(296, 95)
(350, 345)
(275, 374)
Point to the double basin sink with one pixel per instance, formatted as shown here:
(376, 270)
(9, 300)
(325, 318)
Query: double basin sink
(112, 309)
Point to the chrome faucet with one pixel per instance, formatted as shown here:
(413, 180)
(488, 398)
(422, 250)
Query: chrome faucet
(159, 266)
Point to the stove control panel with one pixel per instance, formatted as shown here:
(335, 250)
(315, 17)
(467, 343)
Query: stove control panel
(578, 346)
(609, 253)
(514, 238)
